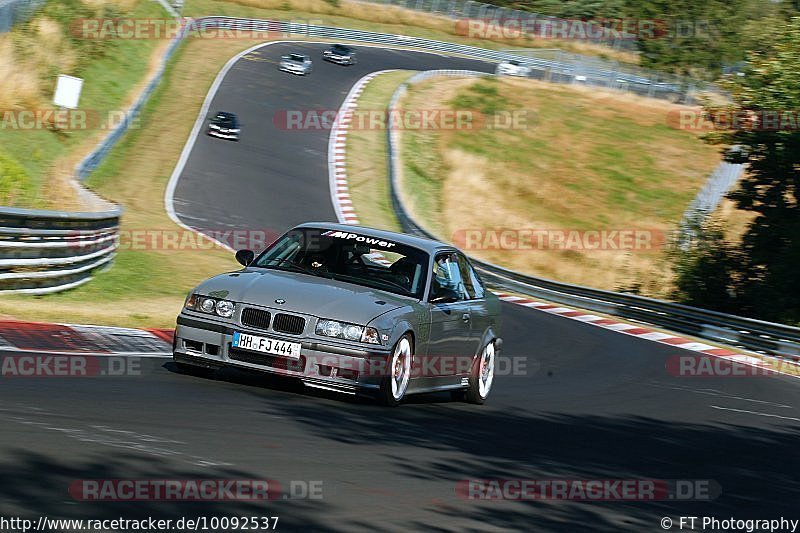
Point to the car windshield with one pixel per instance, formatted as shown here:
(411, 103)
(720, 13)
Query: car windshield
(225, 120)
(297, 57)
(339, 49)
(350, 257)
(515, 63)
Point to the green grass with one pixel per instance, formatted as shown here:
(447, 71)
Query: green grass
(108, 80)
(367, 160)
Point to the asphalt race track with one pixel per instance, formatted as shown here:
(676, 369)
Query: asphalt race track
(591, 403)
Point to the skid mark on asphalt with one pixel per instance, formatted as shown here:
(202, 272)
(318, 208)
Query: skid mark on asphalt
(714, 392)
(108, 436)
(757, 413)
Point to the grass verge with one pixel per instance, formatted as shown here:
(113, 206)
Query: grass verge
(36, 161)
(145, 287)
(367, 160)
(584, 160)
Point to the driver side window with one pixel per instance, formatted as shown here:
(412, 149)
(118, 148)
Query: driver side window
(447, 281)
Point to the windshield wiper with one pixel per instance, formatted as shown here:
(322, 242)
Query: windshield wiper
(405, 292)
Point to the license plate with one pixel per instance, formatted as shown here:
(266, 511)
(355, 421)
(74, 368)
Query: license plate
(266, 345)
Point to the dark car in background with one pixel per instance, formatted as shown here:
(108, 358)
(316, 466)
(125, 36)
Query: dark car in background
(341, 54)
(349, 309)
(224, 125)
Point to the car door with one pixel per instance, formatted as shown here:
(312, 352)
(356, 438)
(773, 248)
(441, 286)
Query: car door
(480, 316)
(451, 334)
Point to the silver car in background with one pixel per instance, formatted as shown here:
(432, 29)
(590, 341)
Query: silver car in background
(296, 64)
(513, 67)
(349, 309)
(340, 54)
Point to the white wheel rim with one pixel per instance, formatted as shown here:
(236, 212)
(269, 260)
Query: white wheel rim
(400, 370)
(486, 370)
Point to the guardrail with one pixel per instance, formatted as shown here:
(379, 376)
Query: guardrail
(49, 251)
(14, 11)
(751, 334)
(650, 84)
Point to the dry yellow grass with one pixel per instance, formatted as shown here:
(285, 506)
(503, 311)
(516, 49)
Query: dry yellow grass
(733, 221)
(19, 87)
(593, 160)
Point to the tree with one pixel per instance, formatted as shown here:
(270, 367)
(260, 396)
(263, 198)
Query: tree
(766, 102)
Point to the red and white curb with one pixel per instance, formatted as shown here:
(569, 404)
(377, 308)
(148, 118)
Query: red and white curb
(337, 143)
(641, 332)
(40, 337)
(346, 214)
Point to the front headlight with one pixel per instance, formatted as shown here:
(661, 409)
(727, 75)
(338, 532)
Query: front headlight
(205, 304)
(350, 332)
(225, 308)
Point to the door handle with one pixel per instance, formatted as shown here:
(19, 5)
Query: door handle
(465, 317)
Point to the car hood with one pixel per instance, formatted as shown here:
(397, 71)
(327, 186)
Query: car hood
(302, 293)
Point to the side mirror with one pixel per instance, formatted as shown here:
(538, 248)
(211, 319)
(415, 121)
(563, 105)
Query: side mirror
(245, 257)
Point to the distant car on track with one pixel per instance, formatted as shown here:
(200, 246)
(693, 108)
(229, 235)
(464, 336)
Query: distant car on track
(296, 64)
(513, 68)
(224, 125)
(349, 309)
(341, 54)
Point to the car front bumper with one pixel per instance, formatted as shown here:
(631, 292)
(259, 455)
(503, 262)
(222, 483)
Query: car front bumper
(221, 135)
(341, 60)
(302, 71)
(207, 342)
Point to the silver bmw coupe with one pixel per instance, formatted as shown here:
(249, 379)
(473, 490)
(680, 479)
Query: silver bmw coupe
(349, 309)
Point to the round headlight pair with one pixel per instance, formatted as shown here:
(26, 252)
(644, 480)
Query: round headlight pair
(223, 308)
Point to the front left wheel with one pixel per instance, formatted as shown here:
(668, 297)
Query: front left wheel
(394, 386)
(480, 382)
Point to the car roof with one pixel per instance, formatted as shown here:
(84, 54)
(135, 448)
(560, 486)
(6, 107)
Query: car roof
(428, 245)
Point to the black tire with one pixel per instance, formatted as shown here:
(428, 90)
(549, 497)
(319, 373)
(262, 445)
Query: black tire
(393, 391)
(478, 391)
